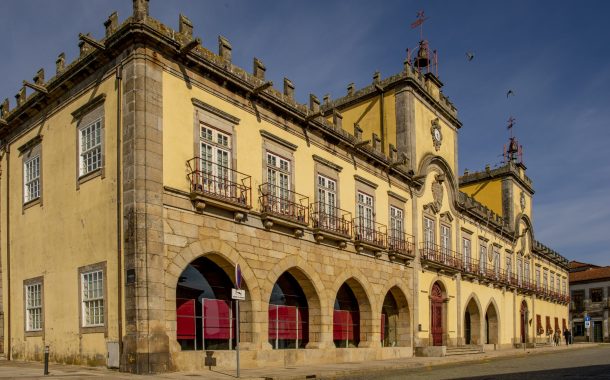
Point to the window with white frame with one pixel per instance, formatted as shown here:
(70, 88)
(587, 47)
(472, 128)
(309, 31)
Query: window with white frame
(215, 159)
(366, 214)
(545, 280)
(445, 239)
(327, 194)
(397, 228)
(278, 180)
(552, 282)
(509, 266)
(90, 147)
(526, 274)
(519, 271)
(483, 257)
(92, 285)
(537, 277)
(31, 179)
(496, 253)
(428, 232)
(33, 307)
(467, 254)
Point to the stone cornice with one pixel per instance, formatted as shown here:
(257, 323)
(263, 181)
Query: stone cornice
(215, 111)
(509, 170)
(325, 162)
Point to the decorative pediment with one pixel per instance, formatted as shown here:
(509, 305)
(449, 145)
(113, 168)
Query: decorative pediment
(446, 217)
(431, 208)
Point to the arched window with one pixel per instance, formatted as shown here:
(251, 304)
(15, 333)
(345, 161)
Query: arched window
(288, 314)
(205, 316)
(346, 318)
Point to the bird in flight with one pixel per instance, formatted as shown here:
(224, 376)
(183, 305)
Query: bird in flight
(509, 93)
(470, 55)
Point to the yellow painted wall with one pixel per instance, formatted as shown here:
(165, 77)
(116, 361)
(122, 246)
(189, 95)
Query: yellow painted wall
(71, 228)
(488, 193)
(423, 137)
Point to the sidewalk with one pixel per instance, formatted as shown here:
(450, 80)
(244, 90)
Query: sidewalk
(32, 370)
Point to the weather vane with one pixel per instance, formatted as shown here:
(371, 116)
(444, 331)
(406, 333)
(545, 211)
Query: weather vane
(511, 124)
(419, 22)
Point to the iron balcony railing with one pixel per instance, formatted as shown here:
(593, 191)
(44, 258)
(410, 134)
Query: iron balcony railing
(471, 266)
(370, 232)
(400, 242)
(283, 203)
(331, 219)
(220, 182)
(441, 255)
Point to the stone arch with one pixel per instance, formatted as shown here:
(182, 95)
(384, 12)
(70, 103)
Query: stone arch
(472, 321)
(317, 298)
(425, 166)
(366, 302)
(226, 257)
(438, 329)
(492, 323)
(400, 326)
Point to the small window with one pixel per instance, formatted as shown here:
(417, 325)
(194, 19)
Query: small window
(445, 239)
(92, 285)
(33, 307)
(429, 230)
(483, 258)
(90, 147)
(466, 252)
(597, 294)
(31, 179)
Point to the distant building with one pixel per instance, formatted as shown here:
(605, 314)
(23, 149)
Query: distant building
(137, 178)
(590, 290)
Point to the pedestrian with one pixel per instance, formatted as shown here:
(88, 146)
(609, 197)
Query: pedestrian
(570, 337)
(566, 335)
(557, 337)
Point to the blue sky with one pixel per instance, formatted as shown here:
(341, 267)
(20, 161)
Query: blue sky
(554, 55)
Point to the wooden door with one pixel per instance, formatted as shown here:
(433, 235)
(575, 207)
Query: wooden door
(436, 315)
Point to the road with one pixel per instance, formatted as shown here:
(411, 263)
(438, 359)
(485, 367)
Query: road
(590, 363)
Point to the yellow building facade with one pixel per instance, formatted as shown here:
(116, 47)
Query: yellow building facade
(137, 179)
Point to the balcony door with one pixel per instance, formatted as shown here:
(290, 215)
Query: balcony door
(366, 216)
(278, 180)
(215, 161)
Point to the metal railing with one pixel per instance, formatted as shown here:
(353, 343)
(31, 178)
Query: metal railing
(331, 219)
(283, 203)
(371, 232)
(400, 242)
(219, 182)
(435, 253)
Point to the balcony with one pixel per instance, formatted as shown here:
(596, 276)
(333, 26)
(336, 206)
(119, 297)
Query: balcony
(370, 235)
(471, 268)
(400, 245)
(283, 207)
(442, 259)
(331, 223)
(219, 186)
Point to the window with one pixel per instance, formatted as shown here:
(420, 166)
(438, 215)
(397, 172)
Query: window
(92, 287)
(545, 281)
(215, 156)
(496, 252)
(526, 274)
(597, 294)
(519, 271)
(33, 306)
(578, 297)
(31, 179)
(483, 258)
(445, 239)
(366, 214)
(537, 277)
(396, 223)
(466, 253)
(90, 147)
(429, 232)
(509, 266)
(327, 194)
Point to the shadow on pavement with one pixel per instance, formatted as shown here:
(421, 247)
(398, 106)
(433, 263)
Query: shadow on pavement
(589, 372)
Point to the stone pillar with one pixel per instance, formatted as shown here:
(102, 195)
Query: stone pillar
(39, 78)
(185, 27)
(60, 64)
(288, 89)
(337, 119)
(350, 89)
(111, 24)
(4, 108)
(20, 97)
(145, 344)
(224, 48)
(259, 69)
(314, 103)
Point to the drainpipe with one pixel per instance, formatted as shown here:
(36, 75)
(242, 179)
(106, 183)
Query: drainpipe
(119, 230)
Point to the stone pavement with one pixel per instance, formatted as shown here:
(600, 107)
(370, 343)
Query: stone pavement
(34, 370)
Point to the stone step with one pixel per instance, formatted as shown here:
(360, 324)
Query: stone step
(462, 350)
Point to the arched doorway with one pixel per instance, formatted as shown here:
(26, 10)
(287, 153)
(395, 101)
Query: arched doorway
(346, 318)
(437, 300)
(472, 323)
(205, 316)
(395, 330)
(524, 318)
(491, 325)
(288, 314)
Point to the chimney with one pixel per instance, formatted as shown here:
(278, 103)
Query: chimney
(326, 99)
(39, 78)
(357, 132)
(376, 143)
(111, 24)
(288, 89)
(224, 48)
(20, 97)
(84, 47)
(60, 64)
(185, 27)
(259, 69)
(350, 89)
(337, 119)
(4, 108)
(140, 10)
(314, 103)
